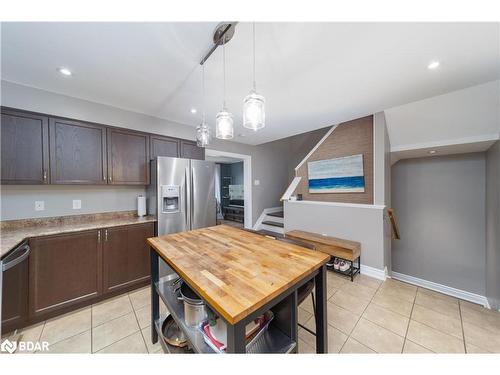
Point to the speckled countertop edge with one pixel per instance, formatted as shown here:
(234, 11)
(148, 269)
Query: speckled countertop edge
(14, 232)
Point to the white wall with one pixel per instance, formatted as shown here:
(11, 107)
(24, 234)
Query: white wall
(355, 222)
(462, 116)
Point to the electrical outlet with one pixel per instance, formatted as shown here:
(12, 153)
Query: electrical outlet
(39, 205)
(77, 204)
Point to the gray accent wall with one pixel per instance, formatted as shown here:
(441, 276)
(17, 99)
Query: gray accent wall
(493, 226)
(439, 204)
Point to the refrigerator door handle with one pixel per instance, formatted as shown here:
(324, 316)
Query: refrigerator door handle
(187, 198)
(191, 198)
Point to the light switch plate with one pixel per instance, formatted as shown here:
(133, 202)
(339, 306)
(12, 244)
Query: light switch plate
(77, 204)
(39, 205)
(256, 182)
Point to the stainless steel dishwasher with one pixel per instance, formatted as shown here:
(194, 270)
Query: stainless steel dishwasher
(14, 288)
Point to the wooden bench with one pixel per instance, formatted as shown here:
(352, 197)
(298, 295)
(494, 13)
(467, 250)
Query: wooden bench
(336, 247)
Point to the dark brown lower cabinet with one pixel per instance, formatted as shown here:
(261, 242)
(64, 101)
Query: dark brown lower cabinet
(15, 289)
(126, 256)
(65, 270)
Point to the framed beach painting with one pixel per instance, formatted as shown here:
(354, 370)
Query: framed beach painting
(339, 175)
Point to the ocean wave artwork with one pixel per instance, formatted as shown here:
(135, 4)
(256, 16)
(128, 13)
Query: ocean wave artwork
(339, 175)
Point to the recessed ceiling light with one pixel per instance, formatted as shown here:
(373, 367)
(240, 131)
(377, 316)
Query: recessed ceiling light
(193, 110)
(65, 71)
(433, 65)
(432, 152)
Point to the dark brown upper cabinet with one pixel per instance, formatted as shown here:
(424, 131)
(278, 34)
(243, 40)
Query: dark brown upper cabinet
(164, 146)
(190, 150)
(25, 148)
(128, 157)
(126, 256)
(77, 152)
(64, 271)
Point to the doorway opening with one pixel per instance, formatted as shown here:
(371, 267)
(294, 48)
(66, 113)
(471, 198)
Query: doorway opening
(233, 187)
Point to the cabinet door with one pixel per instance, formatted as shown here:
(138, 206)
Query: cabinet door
(126, 256)
(25, 148)
(65, 270)
(77, 152)
(128, 157)
(189, 150)
(15, 290)
(164, 146)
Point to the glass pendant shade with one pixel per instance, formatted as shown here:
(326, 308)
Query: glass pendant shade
(224, 125)
(254, 114)
(202, 135)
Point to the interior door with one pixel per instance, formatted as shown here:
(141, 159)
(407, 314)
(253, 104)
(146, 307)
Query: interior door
(203, 203)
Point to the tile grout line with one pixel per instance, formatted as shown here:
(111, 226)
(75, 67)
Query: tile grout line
(409, 320)
(462, 325)
(357, 322)
(137, 320)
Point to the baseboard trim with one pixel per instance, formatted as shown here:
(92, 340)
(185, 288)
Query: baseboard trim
(373, 272)
(458, 293)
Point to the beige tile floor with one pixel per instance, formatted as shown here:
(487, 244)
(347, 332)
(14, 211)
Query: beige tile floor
(117, 325)
(370, 316)
(366, 316)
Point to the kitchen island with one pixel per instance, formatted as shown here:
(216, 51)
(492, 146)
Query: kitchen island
(240, 275)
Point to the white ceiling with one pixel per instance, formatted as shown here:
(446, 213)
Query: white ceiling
(312, 74)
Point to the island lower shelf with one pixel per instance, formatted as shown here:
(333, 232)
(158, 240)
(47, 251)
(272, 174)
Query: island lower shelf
(271, 341)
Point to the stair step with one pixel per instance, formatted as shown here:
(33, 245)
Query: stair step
(275, 214)
(269, 233)
(273, 223)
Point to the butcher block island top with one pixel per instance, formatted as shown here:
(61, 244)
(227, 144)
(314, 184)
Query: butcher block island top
(236, 271)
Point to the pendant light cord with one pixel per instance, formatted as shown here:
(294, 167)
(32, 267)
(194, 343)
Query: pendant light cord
(224, 67)
(203, 92)
(254, 84)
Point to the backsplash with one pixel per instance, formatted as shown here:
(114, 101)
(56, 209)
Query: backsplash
(18, 201)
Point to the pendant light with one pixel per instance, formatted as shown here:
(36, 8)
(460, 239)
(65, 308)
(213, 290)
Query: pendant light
(202, 130)
(254, 115)
(224, 119)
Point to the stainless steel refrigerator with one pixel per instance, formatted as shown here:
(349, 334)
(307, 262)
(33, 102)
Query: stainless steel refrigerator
(181, 195)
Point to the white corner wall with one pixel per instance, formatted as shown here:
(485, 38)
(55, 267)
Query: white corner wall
(355, 222)
(464, 116)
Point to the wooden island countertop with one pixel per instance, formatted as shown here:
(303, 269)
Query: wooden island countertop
(236, 271)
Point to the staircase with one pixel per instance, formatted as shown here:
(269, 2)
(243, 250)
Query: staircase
(271, 223)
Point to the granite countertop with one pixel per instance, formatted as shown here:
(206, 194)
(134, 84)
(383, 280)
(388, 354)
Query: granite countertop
(14, 232)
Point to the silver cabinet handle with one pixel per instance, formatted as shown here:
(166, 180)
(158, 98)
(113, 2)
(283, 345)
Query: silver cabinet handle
(105, 235)
(8, 265)
(98, 236)
(103, 176)
(44, 175)
(109, 179)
